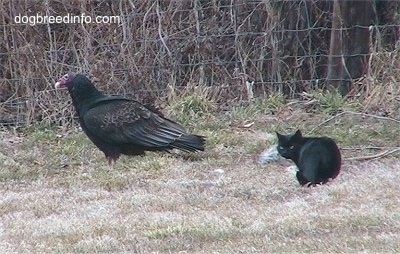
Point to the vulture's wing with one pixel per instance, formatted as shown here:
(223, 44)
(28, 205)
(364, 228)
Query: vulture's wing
(122, 121)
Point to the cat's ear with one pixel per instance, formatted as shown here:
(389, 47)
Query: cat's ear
(298, 134)
(280, 136)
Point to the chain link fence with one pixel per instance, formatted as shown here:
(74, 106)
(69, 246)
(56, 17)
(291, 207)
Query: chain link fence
(236, 49)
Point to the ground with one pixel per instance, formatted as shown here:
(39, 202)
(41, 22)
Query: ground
(58, 193)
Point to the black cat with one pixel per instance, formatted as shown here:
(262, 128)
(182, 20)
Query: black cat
(317, 158)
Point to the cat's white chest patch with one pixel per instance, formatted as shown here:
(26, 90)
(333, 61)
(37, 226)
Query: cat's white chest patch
(292, 169)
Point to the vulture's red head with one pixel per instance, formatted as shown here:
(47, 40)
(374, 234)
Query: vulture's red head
(65, 80)
(80, 88)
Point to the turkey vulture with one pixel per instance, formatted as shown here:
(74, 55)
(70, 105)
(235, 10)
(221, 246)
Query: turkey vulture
(117, 125)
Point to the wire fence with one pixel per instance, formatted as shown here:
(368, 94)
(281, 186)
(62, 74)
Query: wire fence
(232, 47)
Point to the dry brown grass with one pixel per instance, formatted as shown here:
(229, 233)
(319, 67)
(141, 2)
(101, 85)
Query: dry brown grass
(157, 45)
(57, 194)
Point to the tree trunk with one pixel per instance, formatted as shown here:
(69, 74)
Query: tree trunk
(350, 40)
(335, 63)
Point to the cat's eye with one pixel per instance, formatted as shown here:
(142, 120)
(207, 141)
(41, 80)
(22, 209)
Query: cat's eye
(291, 147)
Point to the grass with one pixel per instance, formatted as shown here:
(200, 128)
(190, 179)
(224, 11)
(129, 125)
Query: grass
(58, 193)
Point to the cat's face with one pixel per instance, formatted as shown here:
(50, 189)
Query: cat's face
(289, 145)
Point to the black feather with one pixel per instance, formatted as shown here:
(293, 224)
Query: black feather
(117, 125)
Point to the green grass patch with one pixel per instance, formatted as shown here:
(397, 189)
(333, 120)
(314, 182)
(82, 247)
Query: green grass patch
(332, 102)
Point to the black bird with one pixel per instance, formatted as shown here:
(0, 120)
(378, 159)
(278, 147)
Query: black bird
(117, 125)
